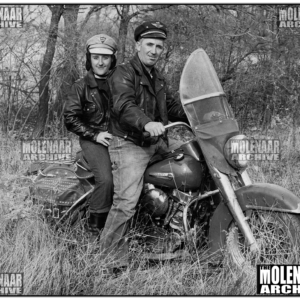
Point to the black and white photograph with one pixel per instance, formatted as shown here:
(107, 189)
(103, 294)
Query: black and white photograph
(149, 149)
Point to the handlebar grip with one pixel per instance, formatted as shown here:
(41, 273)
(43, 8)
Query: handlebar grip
(146, 134)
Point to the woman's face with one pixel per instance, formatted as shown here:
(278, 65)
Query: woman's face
(101, 63)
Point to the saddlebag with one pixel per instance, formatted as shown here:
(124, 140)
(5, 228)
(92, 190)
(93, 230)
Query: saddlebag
(56, 189)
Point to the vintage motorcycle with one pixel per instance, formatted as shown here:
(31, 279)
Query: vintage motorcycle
(198, 194)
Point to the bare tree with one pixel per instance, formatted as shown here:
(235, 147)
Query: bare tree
(57, 11)
(68, 72)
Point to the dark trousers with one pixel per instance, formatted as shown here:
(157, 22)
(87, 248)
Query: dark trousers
(99, 161)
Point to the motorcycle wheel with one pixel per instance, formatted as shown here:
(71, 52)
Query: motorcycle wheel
(75, 218)
(277, 235)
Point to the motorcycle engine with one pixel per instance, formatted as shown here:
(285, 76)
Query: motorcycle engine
(154, 201)
(165, 232)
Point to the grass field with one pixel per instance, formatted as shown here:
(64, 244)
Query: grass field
(57, 264)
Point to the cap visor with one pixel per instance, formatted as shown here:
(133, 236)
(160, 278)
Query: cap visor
(100, 51)
(154, 36)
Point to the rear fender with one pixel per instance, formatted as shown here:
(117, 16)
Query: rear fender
(259, 196)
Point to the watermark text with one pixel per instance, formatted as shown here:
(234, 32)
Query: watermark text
(252, 149)
(11, 17)
(289, 17)
(278, 279)
(46, 150)
(11, 283)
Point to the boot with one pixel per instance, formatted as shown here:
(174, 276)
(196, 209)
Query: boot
(96, 224)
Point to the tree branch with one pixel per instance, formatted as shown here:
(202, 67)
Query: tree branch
(149, 9)
(93, 9)
(118, 11)
(26, 92)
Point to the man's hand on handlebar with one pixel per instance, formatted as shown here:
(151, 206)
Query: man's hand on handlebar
(155, 128)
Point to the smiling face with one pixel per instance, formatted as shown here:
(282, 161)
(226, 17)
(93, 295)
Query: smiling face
(150, 50)
(101, 63)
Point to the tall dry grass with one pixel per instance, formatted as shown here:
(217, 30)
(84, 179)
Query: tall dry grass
(64, 263)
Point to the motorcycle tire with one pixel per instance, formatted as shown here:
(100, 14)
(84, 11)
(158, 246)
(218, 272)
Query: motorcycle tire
(277, 235)
(76, 218)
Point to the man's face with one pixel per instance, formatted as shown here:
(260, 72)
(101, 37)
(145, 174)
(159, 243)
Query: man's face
(100, 63)
(150, 50)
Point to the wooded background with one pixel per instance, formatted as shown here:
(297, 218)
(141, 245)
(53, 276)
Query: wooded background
(257, 62)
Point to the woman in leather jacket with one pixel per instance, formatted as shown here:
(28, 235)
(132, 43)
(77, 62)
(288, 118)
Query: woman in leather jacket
(86, 114)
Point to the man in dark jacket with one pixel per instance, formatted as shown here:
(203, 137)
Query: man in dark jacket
(140, 103)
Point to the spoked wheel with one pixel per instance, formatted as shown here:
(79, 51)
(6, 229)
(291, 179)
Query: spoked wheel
(78, 215)
(75, 218)
(277, 236)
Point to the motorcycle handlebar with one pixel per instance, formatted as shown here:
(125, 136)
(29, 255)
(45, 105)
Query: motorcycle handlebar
(146, 134)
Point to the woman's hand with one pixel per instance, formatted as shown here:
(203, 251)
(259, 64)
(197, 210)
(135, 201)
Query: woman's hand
(103, 137)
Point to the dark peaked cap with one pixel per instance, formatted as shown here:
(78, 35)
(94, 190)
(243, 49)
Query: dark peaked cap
(151, 29)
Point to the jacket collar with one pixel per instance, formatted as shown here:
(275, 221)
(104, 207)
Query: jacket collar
(90, 79)
(136, 63)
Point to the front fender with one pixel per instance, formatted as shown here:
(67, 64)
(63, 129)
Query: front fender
(259, 196)
(268, 196)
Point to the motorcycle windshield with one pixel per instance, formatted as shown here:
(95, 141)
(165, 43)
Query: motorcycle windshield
(201, 92)
(207, 109)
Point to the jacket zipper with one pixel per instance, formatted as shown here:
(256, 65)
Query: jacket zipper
(101, 109)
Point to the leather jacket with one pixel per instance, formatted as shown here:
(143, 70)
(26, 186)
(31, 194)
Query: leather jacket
(84, 112)
(132, 98)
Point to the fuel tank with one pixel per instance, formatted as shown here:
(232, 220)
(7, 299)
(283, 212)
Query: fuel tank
(181, 172)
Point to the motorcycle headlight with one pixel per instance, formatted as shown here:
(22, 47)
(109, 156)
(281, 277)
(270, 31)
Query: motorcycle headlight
(234, 151)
